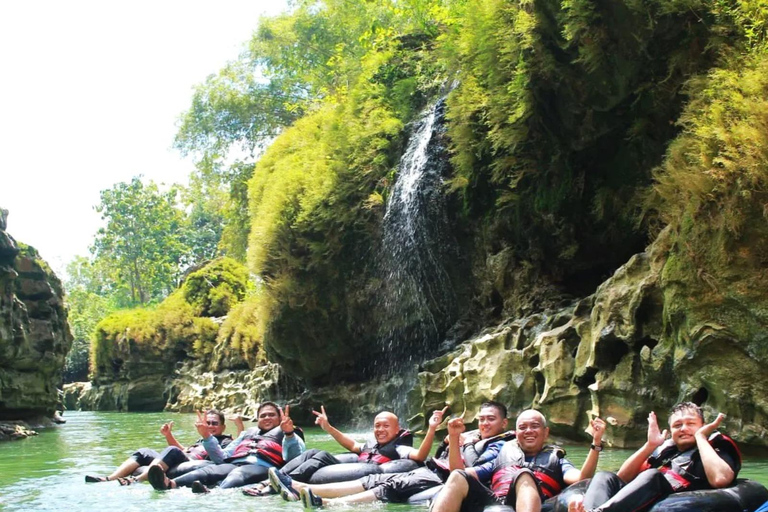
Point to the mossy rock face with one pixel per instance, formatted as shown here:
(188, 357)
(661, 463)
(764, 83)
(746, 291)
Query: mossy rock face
(34, 334)
(215, 288)
(136, 352)
(617, 354)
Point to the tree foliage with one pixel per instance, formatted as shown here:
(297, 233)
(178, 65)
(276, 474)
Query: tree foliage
(88, 301)
(142, 242)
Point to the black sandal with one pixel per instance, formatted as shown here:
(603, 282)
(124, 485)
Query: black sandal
(128, 480)
(90, 479)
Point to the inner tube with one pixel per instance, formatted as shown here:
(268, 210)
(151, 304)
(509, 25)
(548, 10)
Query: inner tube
(743, 496)
(420, 498)
(355, 470)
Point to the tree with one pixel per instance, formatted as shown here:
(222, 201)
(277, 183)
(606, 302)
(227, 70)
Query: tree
(88, 300)
(142, 243)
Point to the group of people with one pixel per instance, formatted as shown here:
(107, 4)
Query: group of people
(470, 470)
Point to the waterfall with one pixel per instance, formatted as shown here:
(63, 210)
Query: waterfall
(416, 301)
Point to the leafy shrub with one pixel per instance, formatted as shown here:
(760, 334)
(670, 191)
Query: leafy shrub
(215, 288)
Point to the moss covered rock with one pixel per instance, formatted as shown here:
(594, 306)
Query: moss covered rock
(34, 334)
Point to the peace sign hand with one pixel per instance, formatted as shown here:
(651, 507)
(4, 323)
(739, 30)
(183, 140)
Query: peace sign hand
(202, 426)
(286, 423)
(322, 418)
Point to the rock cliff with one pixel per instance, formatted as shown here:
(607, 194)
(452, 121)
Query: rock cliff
(34, 335)
(622, 352)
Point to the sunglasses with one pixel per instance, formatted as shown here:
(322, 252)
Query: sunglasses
(213, 423)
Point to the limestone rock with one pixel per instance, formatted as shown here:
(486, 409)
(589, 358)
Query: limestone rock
(34, 334)
(12, 431)
(616, 353)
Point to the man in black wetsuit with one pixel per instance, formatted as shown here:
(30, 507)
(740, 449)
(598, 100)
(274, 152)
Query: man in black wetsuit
(696, 457)
(470, 448)
(176, 454)
(390, 443)
(245, 460)
(526, 472)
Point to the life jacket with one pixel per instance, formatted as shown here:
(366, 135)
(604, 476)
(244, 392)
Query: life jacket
(267, 446)
(472, 451)
(197, 450)
(684, 470)
(374, 453)
(545, 467)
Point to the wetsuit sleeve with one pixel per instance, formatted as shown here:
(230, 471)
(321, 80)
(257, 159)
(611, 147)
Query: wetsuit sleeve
(215, 451)
(727, 450)
(484, 471)
(490, 453)
(293, 446)
(566, 466)
(404, 452)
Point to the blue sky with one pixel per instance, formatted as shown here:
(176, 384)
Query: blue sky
(90, 95)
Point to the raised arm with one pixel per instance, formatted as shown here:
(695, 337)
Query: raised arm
(719, 472)
(426, 444)
(590, 464)
(456, 427)
(343, 439)
(293, 445)
(167, 431)
(238, 420)
(632, 466)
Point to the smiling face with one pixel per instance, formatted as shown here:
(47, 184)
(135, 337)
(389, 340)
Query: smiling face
(532, 431)
(490, 422)
(215, 424)
(683, 425)
(268, 417)
(385, 427)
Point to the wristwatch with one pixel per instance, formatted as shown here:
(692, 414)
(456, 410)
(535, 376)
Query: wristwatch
(596, 447)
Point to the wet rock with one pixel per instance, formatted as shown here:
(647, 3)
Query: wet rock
(12, 431)
(621, 357)
(34, 334)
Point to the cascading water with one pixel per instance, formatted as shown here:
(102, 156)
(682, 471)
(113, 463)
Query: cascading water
(416, 302)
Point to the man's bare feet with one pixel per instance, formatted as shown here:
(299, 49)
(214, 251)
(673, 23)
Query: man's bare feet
(576, 504)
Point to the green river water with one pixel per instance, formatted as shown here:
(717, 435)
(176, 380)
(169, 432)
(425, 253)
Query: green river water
(47, 472)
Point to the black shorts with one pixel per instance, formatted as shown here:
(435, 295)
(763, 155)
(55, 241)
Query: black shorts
(480, 496)
(145, 456)
(398, 487)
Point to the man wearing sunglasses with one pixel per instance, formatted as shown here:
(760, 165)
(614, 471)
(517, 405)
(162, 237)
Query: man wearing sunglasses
(273, 442)
(175, 458)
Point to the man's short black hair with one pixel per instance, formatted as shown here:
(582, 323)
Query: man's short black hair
(500, 408)
(270, 404)
(216, 412)
(687, 406)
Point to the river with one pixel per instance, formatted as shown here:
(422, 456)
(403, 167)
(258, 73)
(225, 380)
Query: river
(47, 472)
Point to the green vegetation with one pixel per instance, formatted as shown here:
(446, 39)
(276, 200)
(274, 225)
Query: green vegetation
(178, 328)
(215, 288)
(577, 130)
